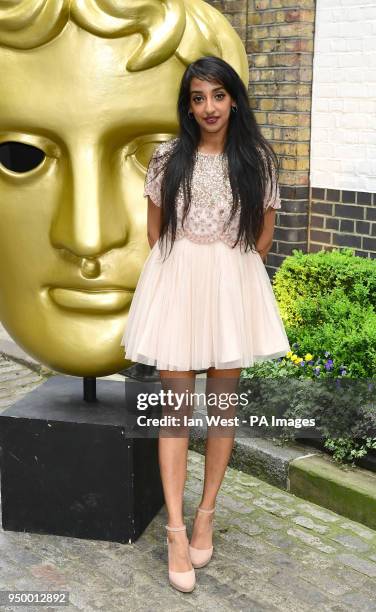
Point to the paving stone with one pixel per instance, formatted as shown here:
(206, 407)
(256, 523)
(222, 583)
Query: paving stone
(269, 521)
(273, 507)
(326, 581)
(241, 539)
(245, 496)
(310, 557)
(247, 481)
(245, 602)
(323, 515)
(361, 565)
(361, 530)
(308, 523)
(280, 539)
(279, 496)
(250, 566)
(335, 608)
(255, 587)
(351, 542)
(16, 376)
(234, 571)
(21, 554)
(8, 572)
(153, 607)
(302, 590)
(195, 486)
(247, 527)
(9, 366)
(359, 601)
(311, 540)
(48, 573)
(277, 558)
(369, 587)
(15, 381)
(234, 505)
(350, 577)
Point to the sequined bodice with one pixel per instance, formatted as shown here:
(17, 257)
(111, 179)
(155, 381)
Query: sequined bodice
(211, 200)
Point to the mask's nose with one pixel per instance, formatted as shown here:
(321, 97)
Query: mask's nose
(91, 217)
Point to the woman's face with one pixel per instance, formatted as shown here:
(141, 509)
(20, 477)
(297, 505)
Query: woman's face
(210, 104)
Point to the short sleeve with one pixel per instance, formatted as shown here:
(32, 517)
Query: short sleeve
(153, 179)
(272, 196)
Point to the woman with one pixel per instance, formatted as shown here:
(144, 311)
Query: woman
(207, 303)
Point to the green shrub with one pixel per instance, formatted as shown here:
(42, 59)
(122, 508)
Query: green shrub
(348, 450)
(327, 301)
(310, 275)
(346, 328)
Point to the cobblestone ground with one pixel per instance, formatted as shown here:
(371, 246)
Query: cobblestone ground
(273, 552)
(15, 381)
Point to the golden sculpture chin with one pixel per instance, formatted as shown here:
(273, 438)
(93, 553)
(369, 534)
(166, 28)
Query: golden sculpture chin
(85, 95)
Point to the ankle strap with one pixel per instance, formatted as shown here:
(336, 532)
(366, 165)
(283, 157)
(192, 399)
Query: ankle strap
(175, 528)
(208, 511)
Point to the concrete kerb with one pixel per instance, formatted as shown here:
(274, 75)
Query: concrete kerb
(299, 469)
(260, 457)
(306, 473)
(347, 491)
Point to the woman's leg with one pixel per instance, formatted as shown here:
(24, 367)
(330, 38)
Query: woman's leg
(219, 444)
(173, 448)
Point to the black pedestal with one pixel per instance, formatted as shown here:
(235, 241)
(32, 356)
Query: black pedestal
(72, 468)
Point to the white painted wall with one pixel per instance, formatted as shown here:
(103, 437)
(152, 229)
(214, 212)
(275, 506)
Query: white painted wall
(343, 137)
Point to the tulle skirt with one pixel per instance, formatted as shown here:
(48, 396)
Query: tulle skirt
(205, 305)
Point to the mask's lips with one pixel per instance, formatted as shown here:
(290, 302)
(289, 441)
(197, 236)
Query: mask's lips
(105, 299)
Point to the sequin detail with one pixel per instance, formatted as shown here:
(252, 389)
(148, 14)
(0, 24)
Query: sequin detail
(211, 198)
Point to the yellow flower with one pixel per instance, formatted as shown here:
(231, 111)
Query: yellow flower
(298, 360)
(294, 357)
(308, 357)
(288, 354)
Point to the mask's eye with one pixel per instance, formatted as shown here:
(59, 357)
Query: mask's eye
(144, 153)
(142, 148)
(20, 157)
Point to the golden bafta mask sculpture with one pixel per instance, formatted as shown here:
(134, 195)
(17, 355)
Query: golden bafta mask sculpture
(87, 89)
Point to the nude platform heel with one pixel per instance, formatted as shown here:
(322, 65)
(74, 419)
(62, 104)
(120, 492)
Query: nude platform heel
(201, 556)
(182, 581)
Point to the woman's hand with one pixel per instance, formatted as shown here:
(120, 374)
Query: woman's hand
(153, 222)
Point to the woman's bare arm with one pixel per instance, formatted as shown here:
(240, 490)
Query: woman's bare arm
(154, 219)
(263, 244)
(265, 240)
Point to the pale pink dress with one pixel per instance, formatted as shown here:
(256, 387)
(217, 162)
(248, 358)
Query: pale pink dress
(206, 304)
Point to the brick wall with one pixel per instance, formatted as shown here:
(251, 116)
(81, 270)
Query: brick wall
(278, 38)
(342, 218)
(343, 134)
(280, 54)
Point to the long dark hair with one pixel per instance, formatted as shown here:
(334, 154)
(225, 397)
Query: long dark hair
(251, 159)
